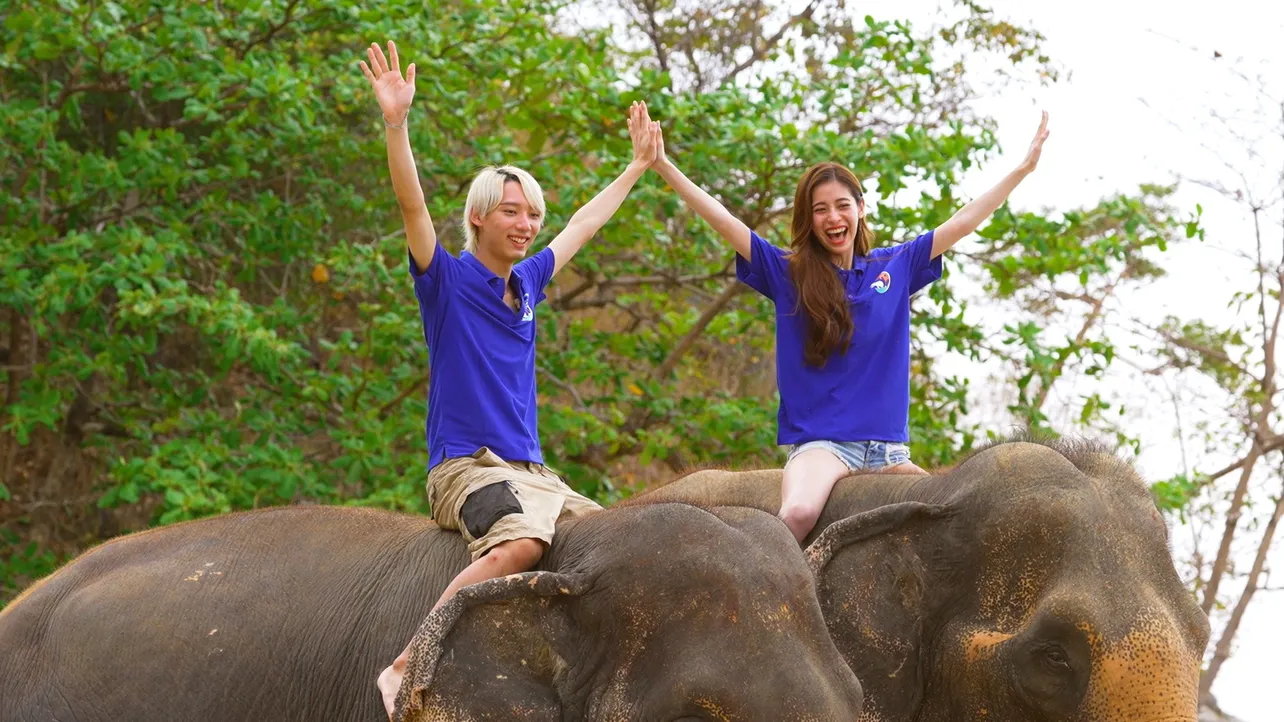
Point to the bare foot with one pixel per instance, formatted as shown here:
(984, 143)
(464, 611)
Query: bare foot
(389, 682)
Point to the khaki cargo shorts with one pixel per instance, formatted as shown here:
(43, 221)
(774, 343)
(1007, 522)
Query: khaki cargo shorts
(491, 501)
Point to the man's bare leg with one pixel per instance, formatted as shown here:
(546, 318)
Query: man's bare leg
(510, 557)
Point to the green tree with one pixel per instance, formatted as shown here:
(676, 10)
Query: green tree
(204, 303)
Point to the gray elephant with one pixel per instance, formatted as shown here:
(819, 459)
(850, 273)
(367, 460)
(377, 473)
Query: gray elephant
(643, 612)
(1031, 582)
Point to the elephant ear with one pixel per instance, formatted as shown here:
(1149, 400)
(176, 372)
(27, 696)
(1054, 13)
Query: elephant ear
(486, 653)
(871, 578)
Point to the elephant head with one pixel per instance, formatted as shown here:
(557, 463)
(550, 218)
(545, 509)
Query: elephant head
(646, 612)
(1033, 582)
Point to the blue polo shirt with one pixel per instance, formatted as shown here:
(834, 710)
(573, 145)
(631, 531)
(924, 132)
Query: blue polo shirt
(861, 394)
(481, 391)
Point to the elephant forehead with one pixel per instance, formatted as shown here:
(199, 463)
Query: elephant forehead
(1018, 460)
(1100, 556)
(750, 609)
(730, 570)
(711, 629)
(1027, 472)
(1018, 558)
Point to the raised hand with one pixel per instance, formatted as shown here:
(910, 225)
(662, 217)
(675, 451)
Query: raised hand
(641, 134)
(393, 92)
(658, 134)
(970, 217)
(1036, 146)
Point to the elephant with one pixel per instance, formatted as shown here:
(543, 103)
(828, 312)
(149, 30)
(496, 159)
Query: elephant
(664, 611)
(1033, 581)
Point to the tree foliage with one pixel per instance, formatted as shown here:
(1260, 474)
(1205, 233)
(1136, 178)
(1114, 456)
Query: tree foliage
(205, 305)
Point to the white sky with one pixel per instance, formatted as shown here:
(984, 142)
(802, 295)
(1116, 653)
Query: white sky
(1106, 139)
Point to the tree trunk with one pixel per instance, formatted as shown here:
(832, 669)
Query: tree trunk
(1094, 315)
(1228, 534)
(1223, 649)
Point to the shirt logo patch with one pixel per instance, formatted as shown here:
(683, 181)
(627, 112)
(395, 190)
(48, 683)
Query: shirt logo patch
(882, 283)
(528, 313)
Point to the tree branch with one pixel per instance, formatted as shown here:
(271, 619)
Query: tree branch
(596, 456)
(271, 31)
(1258, 424)
(732, 290)
(1094, 315)
(1274, 443)
(1213, 353)
(410, 389)
(566, 386)
(653, 32)
(571, 301)
(760, 52)
(1223, 649)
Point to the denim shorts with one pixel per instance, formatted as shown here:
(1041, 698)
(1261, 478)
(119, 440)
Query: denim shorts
(859, 455)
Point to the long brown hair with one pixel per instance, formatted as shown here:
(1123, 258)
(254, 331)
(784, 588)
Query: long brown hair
(820, 293)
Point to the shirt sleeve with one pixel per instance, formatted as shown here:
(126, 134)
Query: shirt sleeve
(766, 268)
(441, 275)
(923, 269)
(926, 269)
(536, 273)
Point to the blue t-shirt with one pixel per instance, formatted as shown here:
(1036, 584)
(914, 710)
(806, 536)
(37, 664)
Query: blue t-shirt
(861, 394)
(481, 391)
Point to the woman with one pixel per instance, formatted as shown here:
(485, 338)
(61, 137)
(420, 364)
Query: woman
(842, 322)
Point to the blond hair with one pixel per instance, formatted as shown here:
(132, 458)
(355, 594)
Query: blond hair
(487, 190)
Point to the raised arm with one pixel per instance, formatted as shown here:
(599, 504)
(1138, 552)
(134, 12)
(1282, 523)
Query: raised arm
(713, 212)
(593, 215)
(394, 94)
(971, 216)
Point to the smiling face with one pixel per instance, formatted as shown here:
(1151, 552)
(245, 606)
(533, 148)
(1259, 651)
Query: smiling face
(507, 231)
(835, 216)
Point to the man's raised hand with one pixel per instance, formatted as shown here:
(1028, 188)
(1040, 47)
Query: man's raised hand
(393, 92)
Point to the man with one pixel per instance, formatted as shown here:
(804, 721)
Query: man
(486, 475)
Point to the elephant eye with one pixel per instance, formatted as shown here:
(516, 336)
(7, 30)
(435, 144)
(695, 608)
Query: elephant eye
(1056, 657)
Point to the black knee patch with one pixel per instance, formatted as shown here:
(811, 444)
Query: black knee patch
(486, 506)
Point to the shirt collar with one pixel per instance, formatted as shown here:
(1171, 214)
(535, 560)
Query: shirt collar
(495, 282)
(858, 266)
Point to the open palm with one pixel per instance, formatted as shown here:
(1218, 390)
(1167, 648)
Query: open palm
(393, 92)
(1031, 160)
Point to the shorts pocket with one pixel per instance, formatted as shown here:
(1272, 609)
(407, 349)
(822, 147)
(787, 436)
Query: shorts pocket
(486, 506)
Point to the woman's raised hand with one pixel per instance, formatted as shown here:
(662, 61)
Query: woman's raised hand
(640, 132)
(1031, 160)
